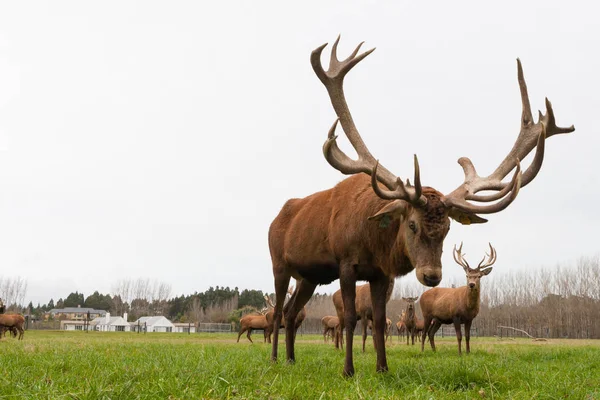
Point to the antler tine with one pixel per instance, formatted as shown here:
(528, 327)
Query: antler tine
(406, 192)
(458, 257)
(491, 258)
(333, 80)
(531, 135)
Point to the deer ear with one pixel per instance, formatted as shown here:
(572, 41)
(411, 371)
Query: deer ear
(486, 271)
(391, 211)
(464, 217)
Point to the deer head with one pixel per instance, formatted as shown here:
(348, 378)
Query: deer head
(474, 275)
(421, 214)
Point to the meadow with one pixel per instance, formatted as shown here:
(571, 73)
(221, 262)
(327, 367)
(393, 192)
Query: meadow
(106, 365)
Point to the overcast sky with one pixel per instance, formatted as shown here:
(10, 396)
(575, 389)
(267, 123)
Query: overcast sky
(160, 139)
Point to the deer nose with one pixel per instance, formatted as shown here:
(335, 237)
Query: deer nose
(432, 280)
(471, 285)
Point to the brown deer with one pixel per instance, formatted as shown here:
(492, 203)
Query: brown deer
(361, 231)
(330, 327)
(270, 314)
(419, 326)
(400, 327)
(364, 311)
(388, 328)
(13, 322)
(455, 305)
(410, 319)
(253, 321)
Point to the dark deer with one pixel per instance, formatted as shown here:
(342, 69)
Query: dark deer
(362, 231)
(455, 305)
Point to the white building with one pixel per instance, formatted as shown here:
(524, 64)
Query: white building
(184, 327)
(153, 324)
(110, 324)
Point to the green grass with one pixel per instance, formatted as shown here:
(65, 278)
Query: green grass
(76, 365)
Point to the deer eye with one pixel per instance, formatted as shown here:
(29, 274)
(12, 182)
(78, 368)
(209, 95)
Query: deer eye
(412, 226)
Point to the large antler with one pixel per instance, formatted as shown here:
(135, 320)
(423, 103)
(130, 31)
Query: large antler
(531, 135)
(459, 257)
(333, 79)
(490, 261)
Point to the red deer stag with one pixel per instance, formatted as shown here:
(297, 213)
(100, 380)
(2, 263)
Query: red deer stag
(330, 327)
(13, 322)
(253, 321)
(410, 319)
(455, 305)
(363, 307)
(361, 231)
(299, 318)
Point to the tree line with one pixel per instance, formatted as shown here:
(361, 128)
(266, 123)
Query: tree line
(563, 301)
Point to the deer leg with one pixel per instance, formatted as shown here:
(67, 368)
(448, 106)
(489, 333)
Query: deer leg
(432, 331)
(379, 289)
(458, 334)
(348, 288)
(248, 335)
(304, 290)
(242, 330)
(468, 335)
(364, 323)
(282, 281)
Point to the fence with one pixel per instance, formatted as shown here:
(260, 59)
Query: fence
(214, 327)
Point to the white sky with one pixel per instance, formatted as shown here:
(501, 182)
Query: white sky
(160, 139)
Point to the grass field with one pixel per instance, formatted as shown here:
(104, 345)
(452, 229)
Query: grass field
(78, 365)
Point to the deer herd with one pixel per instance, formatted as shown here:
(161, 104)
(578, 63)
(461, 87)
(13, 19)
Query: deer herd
(374, 227)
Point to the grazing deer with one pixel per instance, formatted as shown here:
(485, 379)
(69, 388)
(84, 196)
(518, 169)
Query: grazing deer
(364, 311)
(330, 327)
(410, 319)
(14, 323)
(455, 305)
(361, 231)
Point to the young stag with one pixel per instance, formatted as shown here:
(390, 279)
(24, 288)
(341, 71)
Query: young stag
(380, 228)
(330, 327)
(364, 311)
(455, 305)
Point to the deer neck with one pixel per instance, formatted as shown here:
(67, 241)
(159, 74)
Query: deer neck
(473, 299)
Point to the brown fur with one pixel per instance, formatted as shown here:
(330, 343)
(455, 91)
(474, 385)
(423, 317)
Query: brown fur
(13, 321)
(253, 321)
(452, 306)
(328, 235)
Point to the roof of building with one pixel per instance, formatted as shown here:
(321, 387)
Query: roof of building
(69, 310)
(119, 321)
(153, 321)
